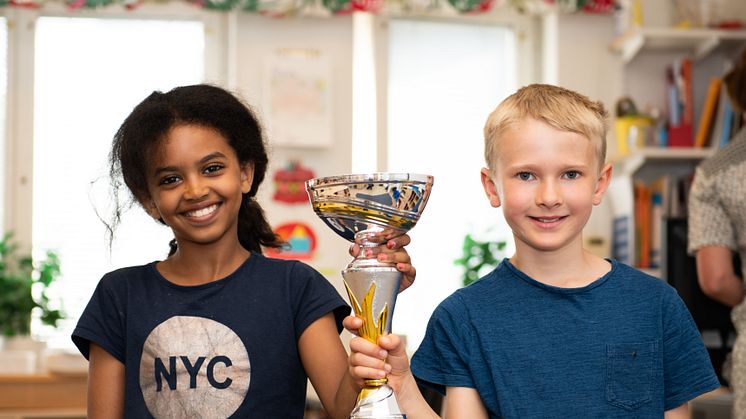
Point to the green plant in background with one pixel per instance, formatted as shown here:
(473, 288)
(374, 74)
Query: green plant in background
(478, 257)
(23, 289)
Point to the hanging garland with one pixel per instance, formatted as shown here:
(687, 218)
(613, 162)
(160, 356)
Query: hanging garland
(283, 8)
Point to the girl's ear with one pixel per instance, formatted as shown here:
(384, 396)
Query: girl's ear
(247, 177)
(490, 188)
(149, 206)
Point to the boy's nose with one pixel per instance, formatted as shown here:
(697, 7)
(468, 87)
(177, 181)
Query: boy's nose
(548, 195)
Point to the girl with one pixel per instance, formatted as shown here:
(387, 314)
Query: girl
(216, 329)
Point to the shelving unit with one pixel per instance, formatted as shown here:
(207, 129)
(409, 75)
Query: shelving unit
(645, 53)
(698, 42)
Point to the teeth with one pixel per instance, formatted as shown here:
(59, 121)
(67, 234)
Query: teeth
(548, 220)
(202, 212)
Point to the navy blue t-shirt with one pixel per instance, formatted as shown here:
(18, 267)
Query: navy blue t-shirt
(223, 349)
(623, 346)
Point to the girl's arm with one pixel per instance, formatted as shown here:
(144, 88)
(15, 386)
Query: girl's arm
(325, 361)
(105, 384)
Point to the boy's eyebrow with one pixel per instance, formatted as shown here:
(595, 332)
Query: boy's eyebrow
(203, 160)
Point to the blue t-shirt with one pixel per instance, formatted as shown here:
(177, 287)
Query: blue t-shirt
(223, 349)
(623, 346)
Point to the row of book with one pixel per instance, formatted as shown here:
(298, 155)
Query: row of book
(663, 198)
(716, 122)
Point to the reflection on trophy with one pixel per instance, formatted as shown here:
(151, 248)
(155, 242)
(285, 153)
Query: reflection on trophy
(370, 209)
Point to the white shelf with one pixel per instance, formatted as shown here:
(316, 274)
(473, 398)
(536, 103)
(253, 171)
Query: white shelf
(697, 41)
(630, 163)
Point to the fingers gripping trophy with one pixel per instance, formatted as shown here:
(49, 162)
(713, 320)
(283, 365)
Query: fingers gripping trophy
(370, 209)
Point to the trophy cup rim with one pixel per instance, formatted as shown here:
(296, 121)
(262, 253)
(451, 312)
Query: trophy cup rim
(369, 177)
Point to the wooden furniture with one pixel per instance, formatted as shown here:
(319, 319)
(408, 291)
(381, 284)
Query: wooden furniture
(43, 396)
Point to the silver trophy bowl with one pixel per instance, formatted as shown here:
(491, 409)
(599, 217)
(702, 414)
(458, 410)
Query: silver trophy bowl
(370, 209)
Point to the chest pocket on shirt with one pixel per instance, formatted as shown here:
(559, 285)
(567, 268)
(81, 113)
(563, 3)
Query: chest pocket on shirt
(629, 373)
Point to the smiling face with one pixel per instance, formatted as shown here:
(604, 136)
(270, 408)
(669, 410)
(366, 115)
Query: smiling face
(546, 181)
(196, 184)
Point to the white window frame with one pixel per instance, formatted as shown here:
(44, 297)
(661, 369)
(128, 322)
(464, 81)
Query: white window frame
(528, 66)
(19, 136)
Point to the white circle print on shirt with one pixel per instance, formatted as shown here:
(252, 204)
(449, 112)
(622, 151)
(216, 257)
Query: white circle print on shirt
(193, 367)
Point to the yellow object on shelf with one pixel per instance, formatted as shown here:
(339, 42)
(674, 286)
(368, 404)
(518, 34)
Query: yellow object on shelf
(632, 133)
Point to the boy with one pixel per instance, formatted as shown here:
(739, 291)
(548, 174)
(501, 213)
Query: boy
(554, 331)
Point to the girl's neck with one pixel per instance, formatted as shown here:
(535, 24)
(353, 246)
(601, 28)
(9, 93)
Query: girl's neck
(201, 264)
(565, 268)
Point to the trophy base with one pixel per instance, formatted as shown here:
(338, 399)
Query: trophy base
(377, 403)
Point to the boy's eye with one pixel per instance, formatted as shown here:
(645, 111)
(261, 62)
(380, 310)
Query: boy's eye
(524, 176)
(572, 174)
(213, 168)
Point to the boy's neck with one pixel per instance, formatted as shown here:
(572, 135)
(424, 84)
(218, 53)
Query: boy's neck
(567, 268)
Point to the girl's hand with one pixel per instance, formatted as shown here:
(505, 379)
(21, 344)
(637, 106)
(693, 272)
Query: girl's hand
(393, 251)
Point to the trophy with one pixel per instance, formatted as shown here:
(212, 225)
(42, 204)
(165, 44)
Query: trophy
(370, 209)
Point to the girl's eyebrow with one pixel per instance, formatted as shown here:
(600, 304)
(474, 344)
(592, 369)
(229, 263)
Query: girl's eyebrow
(203, 160)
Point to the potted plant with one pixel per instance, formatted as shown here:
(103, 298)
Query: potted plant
(478, 258)
(23, 289)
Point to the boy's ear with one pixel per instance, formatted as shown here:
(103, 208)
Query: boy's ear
(247, 177)
(490, 188)
(604, 178)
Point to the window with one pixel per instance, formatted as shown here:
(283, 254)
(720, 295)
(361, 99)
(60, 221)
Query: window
(89, 74)
(444, 78)
(3, 106)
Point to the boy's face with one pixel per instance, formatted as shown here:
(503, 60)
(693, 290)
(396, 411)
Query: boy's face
(546, 181)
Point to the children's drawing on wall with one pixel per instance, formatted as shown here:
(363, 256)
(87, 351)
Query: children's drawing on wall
(300, 238)
(297, 97)
(289, 183)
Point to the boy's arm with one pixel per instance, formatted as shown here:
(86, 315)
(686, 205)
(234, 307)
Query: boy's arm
(464, 402)
(681, 412)
(370, 361)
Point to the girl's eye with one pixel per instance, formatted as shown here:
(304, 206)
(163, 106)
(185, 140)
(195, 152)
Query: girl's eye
(168, 180)
(572, 174)
(524, 176)
(213, 168)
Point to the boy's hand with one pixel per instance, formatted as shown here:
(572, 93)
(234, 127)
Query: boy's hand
(369, 361)
(393, 251)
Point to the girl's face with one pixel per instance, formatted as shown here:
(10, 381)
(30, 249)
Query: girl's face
(546, 181)
(196, 184)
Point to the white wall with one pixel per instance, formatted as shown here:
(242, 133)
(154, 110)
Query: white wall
(256, 40)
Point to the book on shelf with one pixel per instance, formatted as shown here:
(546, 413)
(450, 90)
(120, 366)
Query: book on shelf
(679, 103)
(654, 202)
(704, 128)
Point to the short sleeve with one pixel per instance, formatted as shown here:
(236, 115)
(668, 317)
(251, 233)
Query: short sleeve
(313, 297)
(687, 369)
(443, 358)
(103, 321)
(709, 224)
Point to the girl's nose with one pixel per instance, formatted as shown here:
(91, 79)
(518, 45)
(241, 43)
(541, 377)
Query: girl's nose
(195, 189)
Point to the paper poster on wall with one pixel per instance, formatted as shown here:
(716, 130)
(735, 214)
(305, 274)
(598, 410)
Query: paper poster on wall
(301, 240)
(290, 184)
(297, 97)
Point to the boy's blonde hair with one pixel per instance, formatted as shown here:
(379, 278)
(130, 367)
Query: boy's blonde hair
(558, 107)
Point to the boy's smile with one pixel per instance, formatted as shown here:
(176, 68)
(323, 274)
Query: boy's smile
(546, 181)
(197, 184)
